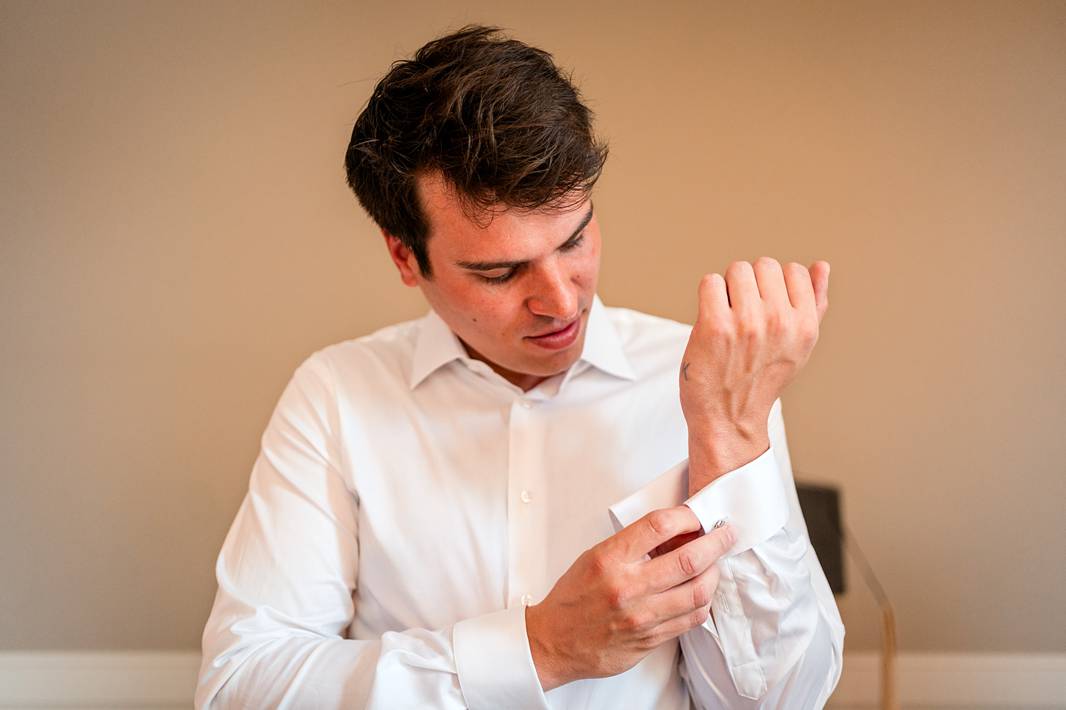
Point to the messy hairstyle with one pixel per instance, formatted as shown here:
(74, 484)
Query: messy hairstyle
(496, 117)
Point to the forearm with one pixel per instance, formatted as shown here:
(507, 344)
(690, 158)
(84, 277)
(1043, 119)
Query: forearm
(299, 671)
(260, 661)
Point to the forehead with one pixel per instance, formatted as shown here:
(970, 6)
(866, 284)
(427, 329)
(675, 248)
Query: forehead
(499, 234)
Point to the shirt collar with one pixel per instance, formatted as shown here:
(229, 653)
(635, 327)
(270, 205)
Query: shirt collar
(437, 345)
(603, 348)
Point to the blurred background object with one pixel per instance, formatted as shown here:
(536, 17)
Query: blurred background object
(829, 537)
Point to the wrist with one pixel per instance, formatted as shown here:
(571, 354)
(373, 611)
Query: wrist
(714, 452)
(541, 653)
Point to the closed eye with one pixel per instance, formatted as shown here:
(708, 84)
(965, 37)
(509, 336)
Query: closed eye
(499, 279)
(573, 243)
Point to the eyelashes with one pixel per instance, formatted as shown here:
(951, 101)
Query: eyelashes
(503, 278)
(499, 279)
(574, 244)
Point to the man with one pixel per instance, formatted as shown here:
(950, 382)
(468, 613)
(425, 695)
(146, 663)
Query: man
(471, 509)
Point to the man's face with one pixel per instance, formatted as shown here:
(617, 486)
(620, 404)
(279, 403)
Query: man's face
(517, 291)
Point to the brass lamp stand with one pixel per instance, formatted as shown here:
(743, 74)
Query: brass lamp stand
(830, 538)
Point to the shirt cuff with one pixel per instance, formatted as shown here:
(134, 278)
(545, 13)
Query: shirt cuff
(752, 499)
(494, 662)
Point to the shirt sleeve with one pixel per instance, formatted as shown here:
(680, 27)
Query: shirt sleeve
(775, 638)
(286, 574)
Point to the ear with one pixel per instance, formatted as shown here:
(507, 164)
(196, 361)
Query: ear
(404, 259)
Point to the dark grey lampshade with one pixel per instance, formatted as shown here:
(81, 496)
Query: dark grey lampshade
(821, 510)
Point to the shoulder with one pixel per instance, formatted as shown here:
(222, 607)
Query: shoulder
(384, 354)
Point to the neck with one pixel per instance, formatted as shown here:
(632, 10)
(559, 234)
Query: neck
(522, 380)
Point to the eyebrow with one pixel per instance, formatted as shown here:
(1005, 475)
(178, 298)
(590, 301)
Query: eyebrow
(493, 265)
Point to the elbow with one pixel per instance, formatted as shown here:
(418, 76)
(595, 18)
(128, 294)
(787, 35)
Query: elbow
(213, 686)
(813, 677)
(230, 662)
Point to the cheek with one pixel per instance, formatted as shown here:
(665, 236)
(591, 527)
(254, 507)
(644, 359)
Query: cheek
(489, 312)
(589, 267)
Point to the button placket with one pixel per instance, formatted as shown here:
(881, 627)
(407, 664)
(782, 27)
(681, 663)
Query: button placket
(526, 553)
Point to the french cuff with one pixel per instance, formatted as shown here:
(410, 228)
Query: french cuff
(752, 499)
(494, 662)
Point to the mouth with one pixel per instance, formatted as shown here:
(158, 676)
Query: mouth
(558, 339)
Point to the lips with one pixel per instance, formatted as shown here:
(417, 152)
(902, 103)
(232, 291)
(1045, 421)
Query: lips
(557, 339)
(553, 332)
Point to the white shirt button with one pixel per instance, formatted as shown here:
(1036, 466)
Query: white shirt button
(526, 600)
(526, 497)
(526, 404)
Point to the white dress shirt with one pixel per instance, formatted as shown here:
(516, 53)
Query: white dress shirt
(408, 503)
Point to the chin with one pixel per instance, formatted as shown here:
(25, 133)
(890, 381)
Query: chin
(554, 364)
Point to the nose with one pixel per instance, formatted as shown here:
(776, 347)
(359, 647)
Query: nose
(554, 293)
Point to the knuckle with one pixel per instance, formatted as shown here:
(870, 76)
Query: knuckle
(708, 288)
(701, 594)
(776, 322)
(598, 561)
(751, 328)
(699, 616)
(660, 523)
(635, 620)
(721, 329)
(686, 562)
(722, 546)
(617, 596)
(648, 642)
(808, 331)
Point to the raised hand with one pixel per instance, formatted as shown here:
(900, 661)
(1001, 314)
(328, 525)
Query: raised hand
(756, 328)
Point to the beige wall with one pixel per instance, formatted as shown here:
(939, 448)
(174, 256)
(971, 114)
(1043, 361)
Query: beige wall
(177, 236)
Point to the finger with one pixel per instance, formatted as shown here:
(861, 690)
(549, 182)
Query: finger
(672, 628)
(694, 594)
(819, 271)
(676, 542)
(713, 298)
(798, 283)
(687, 561)
(642, 537)
(743, 289)
(771, 281)
(675, 627)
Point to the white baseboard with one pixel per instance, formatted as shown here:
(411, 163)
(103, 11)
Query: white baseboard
(956, 680)
(160, 680)
(98, 679)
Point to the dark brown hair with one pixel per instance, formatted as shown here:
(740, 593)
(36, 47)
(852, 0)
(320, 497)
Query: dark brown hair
(496, 117)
